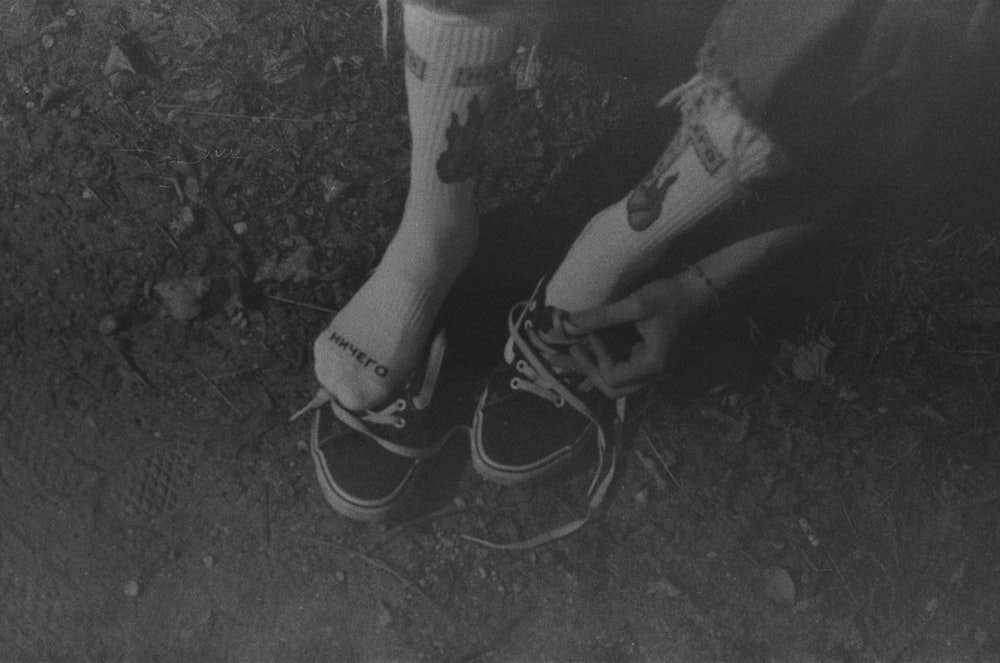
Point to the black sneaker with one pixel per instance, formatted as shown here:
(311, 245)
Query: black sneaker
(368, 463)
(531, 420)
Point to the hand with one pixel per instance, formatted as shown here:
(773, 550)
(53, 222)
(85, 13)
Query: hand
(658, 311)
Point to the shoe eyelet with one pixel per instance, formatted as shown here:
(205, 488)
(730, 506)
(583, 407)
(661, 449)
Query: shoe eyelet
(515, 384)
(528, 324)
(521, 366)
(400, 405)
(399, 422)
(560, 401)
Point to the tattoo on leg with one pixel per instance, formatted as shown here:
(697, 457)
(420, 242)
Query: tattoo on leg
(646, 202)
(416, 64)
(461, 158)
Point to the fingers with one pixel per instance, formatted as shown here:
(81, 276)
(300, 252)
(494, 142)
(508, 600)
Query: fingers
(614, 379)
(631, 309)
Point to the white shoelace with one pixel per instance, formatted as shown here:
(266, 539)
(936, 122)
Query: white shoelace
(539, 380)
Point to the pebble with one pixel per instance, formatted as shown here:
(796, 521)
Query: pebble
(131, 589)
(240, 228)
(663, 586)
(208, 560)
(108, 325)
(385, 618)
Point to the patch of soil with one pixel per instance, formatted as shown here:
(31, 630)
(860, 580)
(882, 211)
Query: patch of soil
(189, 191)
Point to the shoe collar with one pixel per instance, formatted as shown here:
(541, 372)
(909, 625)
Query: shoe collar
(548, 322)
(411, 398)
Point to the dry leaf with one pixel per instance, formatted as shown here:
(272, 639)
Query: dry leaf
(117, 62)
(809, 362)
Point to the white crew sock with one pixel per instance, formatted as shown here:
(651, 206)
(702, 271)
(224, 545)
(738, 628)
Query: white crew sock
(453, 65)
(714, 153)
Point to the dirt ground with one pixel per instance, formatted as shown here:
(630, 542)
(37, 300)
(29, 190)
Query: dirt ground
(189, 190)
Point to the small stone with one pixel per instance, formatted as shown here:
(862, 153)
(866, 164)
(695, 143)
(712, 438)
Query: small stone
(460, 502)
(385, 618)
(340, 576)
(240, 228)
(663, 586)
(108, 325)
(641, 497)
(333, 188)
(181, 296)
(131, 589)
(208, 561)
(184, 222)
(48, 41)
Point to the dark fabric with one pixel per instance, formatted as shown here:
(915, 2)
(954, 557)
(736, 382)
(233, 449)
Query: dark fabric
(863, 77)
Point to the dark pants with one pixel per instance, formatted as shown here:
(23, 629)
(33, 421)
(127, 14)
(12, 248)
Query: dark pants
(848, 87)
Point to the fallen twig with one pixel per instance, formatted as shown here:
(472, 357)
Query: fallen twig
(292, 302)
(256, 118)
(216, 389)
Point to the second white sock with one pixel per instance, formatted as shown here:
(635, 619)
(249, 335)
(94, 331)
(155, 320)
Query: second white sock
(716, 151)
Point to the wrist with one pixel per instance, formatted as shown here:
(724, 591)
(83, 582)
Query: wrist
(702, 292)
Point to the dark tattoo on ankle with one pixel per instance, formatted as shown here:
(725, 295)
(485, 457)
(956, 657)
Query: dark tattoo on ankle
(646, 202)
(416, 64)
(460, 160)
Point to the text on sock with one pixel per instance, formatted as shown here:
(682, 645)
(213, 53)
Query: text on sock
(357, 353)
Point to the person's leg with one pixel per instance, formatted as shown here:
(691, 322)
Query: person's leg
(771, 73)
(717, 153)
(453, 64)
(374, 425)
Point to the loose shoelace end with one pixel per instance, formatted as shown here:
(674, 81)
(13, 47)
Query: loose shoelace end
(321, 398)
